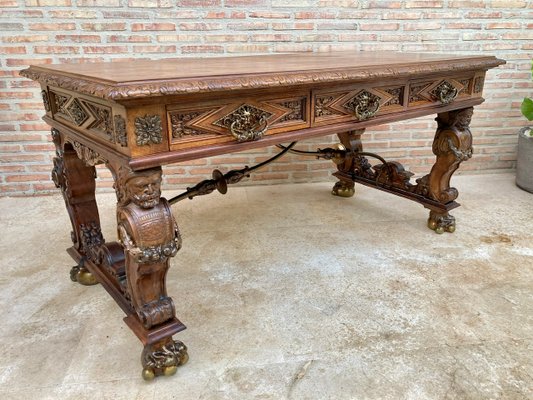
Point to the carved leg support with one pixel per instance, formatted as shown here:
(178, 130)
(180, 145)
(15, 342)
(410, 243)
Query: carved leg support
(452, 145)
(76, 180)
(352, 142)
(150, 236)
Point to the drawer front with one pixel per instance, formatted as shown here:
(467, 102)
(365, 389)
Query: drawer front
(363, 102)
(427, 92)
(356, 103)
(234, 120)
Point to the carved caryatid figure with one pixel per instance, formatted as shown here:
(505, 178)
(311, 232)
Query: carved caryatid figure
(150, 236)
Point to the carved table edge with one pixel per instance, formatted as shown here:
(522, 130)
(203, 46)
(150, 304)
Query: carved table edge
(135, 90)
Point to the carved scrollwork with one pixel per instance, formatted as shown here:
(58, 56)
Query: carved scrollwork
(148, 130)
(89, 156)
(296, 112)
(445, 92)
(156, 312)
(46, 100)
(321, 105)
(246, 122)
(179, 121)
(120, 130)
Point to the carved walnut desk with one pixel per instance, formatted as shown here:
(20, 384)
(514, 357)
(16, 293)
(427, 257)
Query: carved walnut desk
(137, 116)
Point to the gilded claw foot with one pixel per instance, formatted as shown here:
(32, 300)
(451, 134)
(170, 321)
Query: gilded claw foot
(163, 359)
(82, 276)
(343, 189)
(441, 222)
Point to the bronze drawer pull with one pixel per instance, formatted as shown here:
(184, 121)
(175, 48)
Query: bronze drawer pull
(247, 126)
(366, 105)
(445, 92)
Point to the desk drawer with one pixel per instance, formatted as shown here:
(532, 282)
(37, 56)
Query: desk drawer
(236, 119)
(363, 102)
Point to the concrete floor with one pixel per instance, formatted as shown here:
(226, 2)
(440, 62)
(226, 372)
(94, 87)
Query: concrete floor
(288, 293)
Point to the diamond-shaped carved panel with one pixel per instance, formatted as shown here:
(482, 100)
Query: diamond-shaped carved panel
(76, 112)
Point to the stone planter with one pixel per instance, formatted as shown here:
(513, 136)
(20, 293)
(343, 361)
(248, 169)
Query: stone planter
(524, 160)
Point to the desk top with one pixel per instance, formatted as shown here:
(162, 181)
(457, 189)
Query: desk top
(144, 78)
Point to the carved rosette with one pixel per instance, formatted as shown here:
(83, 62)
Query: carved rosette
(148, 130)
(120, 130)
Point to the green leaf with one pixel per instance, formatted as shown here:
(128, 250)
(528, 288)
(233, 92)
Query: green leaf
(527, 108)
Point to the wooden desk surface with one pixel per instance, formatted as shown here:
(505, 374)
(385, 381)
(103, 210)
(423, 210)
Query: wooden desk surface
(142, 78)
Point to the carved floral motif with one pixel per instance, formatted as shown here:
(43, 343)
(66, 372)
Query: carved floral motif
(120, 130)
(321, 105)
(76, 112)
(179, 123)
(397, 96)
(92, 241)
(297, 110)
(148, 130)
(102, 119)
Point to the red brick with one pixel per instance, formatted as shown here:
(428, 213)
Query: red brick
(154, 49)
(128, 39)
(161, 26)
(198, 26)
(78, 38)
(47, 3)
(52, 27)
(150, 3)
(56, 50)
(27, 177)
(202, 49)
(199, 3)
(105, 49)
(25, 39)
(12, 50)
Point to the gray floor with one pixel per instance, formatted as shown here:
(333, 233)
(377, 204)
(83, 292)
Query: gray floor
(288, 293)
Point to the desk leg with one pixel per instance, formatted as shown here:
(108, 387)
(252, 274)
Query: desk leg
(76, 181)
(452, 145)
(352, 142)
(150, 237)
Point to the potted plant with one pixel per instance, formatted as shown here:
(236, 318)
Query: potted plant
(524, 159)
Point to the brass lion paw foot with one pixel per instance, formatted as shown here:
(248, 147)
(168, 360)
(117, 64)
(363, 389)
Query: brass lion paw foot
(343, 189)
(441, 223)
(82, 276)
(164, 359)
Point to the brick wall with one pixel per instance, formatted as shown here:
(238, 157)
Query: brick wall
(51, 31)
